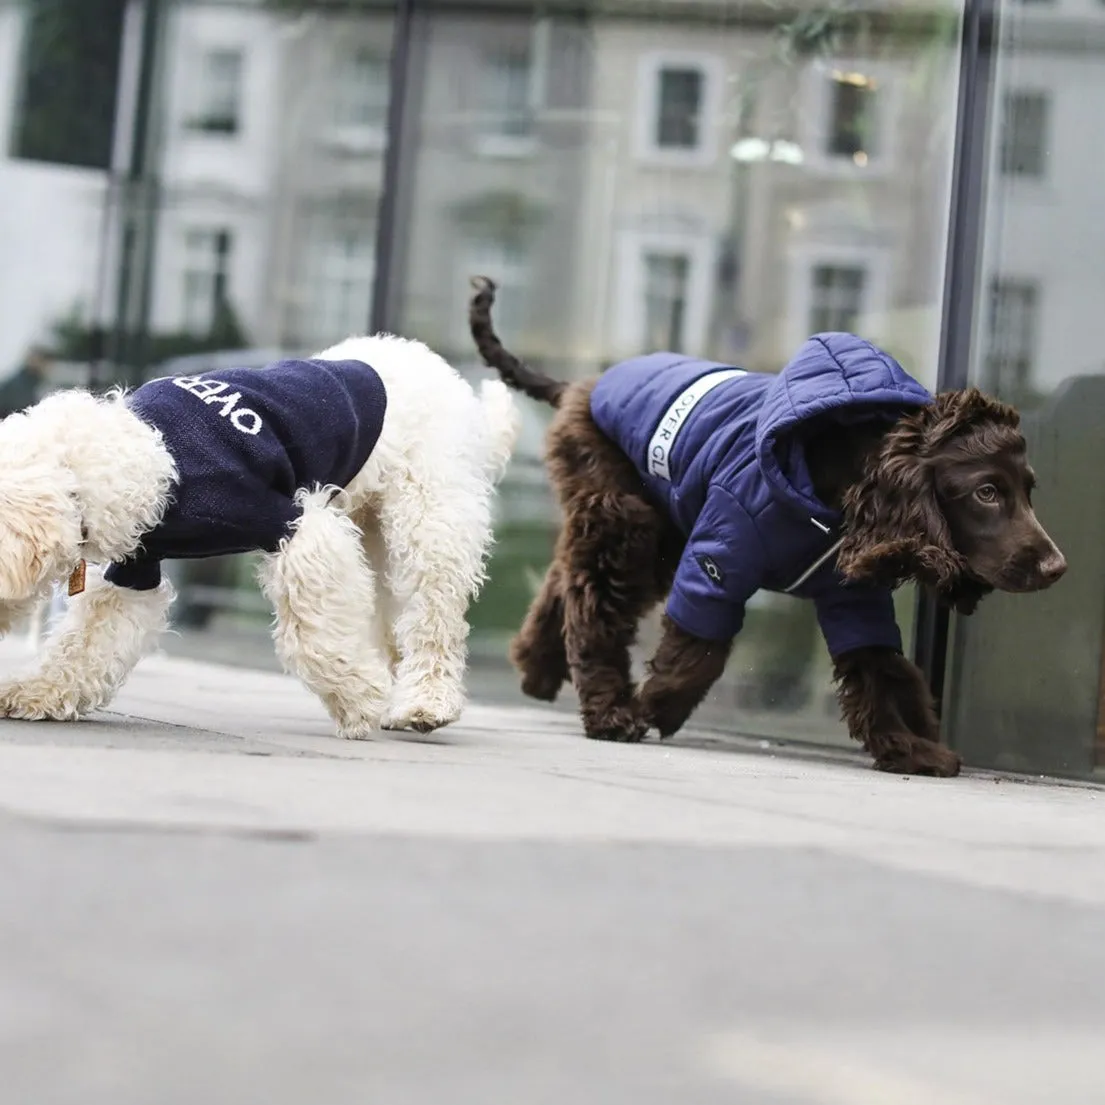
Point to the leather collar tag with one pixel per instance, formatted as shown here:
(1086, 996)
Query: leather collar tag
(76, 579)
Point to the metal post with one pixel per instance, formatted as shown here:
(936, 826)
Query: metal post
(137, 198)
(976, 85)
(390, 217)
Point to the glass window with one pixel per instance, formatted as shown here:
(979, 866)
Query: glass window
(342, 271)
(666, 280)
(205, 279)
(361, 90)
(1026, 678)
(719, 181)
(66, 99)
(506, 95)
(853, 116)
(692, 183)
(679, 108)
(1011, 336)
(219, 92)
(1024, 133)
(837, 298)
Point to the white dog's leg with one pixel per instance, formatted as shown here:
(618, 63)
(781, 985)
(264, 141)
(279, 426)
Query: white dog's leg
(104, 633)
(381, 628)
(323, 594)
(436, 544)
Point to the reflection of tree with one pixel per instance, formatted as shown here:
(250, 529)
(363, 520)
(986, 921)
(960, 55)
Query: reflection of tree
(70, 74)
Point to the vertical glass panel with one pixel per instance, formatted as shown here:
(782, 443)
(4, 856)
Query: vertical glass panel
(1025, 687)
(711, 179)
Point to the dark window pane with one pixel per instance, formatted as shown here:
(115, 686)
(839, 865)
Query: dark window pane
(1024, 134)
(70, 76)
(680, 104)
(852, 125)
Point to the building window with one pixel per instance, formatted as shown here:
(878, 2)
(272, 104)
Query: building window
(836, 297)
(1011, 335)
(680, 96)
(362, 84)
(66, 100)
(853, 117)
(679, 108)
(1024, 133)
(205, 278)
(220, 91)
(666, 290)
(339, 292)
(505, 106)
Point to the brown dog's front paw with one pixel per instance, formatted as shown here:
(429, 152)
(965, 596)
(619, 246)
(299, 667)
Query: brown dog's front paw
(921, 757)
(668, 715)
(619, 723)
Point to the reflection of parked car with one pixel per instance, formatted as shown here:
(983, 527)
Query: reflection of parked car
(207, 585)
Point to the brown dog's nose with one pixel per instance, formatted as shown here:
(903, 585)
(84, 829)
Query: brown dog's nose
(1053, 567)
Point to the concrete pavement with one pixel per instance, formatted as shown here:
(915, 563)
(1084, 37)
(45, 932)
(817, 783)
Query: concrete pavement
(207, 898)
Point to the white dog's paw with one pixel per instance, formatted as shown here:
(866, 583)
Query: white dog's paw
(39, 699)
(423, 708)
(359, 727)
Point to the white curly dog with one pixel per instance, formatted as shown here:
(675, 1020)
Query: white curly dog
(365, 475)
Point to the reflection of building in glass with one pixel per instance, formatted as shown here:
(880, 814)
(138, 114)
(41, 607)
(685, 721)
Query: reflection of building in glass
(605, 181)
(714, 177)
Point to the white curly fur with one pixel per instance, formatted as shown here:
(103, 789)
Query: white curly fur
(370, 591)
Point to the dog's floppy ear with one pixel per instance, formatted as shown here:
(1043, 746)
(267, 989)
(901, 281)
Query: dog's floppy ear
(894, 528)
(40, 532)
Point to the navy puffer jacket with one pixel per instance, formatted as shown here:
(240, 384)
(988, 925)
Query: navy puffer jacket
(716, 447)
(245, 441)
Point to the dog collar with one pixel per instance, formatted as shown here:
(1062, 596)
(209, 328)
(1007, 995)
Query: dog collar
(77, 575)
(76, 578)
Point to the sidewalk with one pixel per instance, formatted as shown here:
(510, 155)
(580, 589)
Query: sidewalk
(208, 898)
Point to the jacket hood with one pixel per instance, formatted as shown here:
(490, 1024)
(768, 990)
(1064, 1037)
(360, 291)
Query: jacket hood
(832, 372)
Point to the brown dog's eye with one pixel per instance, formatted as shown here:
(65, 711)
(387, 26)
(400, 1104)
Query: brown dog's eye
(987, 493)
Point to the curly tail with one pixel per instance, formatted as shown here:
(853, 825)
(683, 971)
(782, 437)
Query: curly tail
(514, 373)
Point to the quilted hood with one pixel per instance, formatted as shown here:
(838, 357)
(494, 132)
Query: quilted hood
(832, 373)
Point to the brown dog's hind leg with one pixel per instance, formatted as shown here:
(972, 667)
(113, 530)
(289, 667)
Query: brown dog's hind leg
(538, 649)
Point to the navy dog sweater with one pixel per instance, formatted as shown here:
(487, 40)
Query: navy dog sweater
(716, 447)
(244, 442)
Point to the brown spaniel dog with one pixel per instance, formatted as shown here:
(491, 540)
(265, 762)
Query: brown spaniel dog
(939, 493)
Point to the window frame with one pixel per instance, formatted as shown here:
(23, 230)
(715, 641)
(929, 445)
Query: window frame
(630, 323)
(815, 126)
(993, 379)
(215, 270)
(202, 113)
(804, 260)
(650, 67)
(346, 132)
(1005, 149)
(490, 140)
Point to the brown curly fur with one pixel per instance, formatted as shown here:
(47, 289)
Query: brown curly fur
(617, 553)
